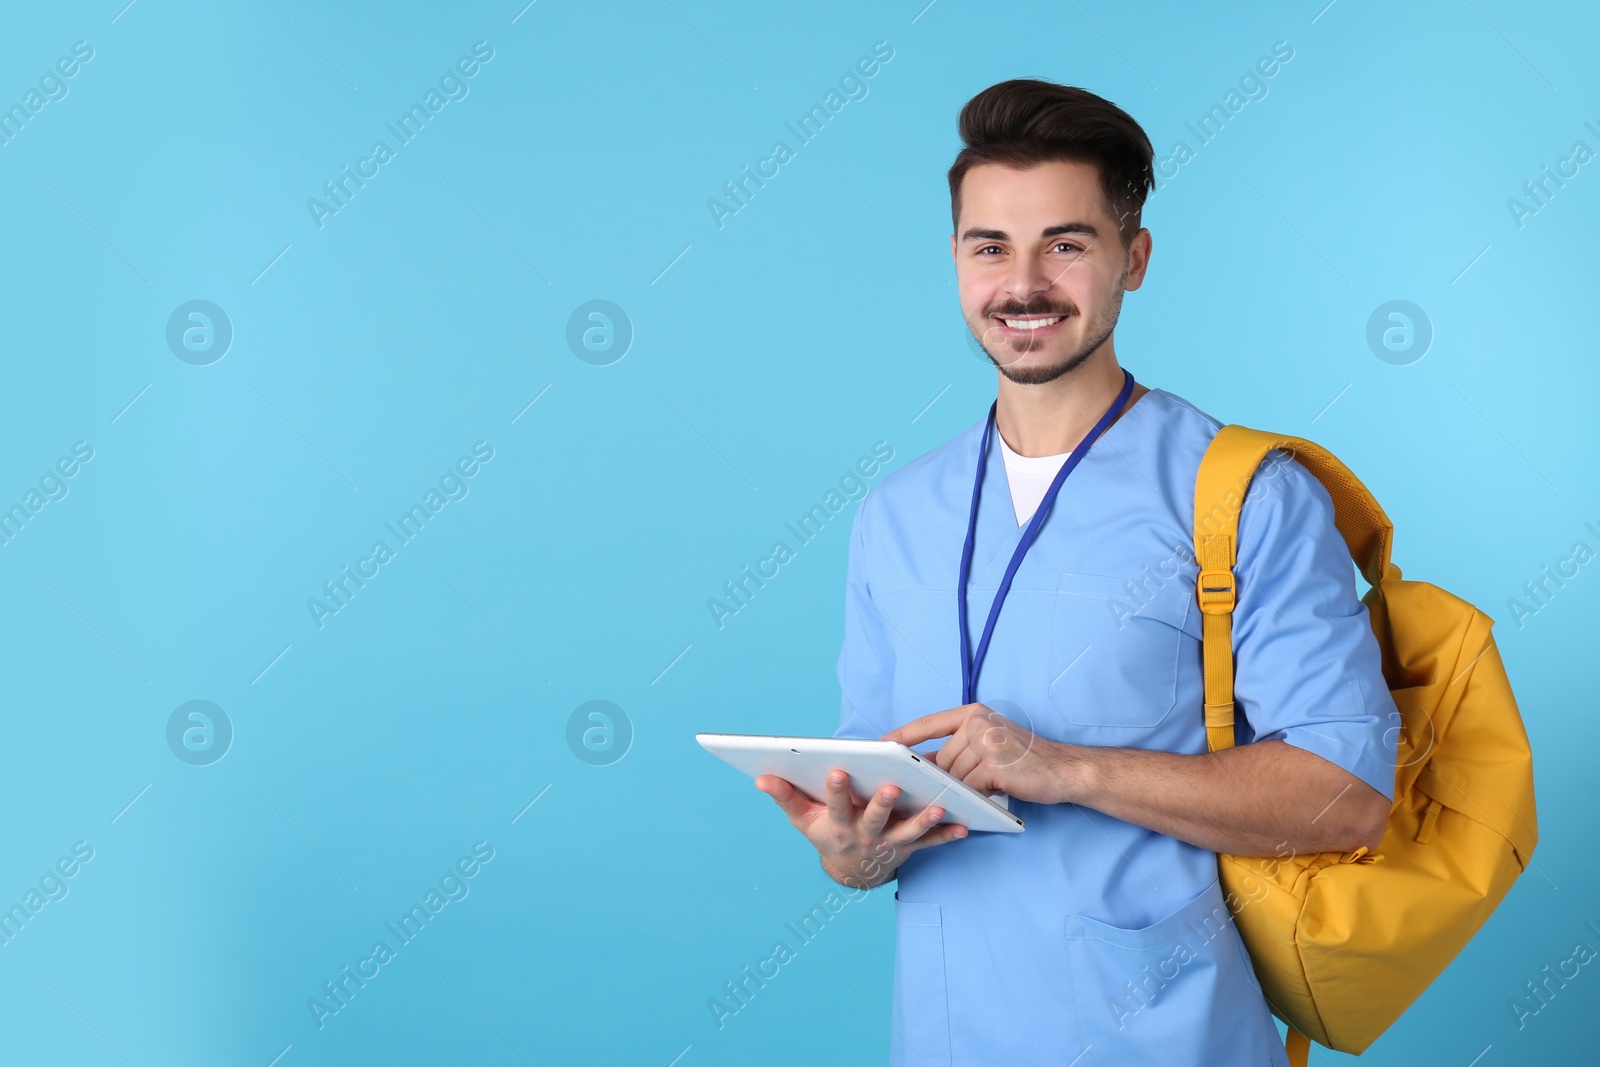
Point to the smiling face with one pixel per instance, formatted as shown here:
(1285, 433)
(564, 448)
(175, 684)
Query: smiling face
(1041, 267)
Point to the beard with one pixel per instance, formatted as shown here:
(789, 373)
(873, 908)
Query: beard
(1095, 334)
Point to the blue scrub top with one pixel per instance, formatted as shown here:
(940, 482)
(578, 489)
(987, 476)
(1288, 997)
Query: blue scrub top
(1086, 939)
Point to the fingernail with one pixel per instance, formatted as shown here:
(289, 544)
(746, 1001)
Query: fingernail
(887, 795)
(961, 832)
(836, 779)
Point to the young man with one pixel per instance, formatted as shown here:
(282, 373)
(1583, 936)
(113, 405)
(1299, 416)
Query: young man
(1100, 934)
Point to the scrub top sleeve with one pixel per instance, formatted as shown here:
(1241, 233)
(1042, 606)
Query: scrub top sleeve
(866, 660)
(1307, 666)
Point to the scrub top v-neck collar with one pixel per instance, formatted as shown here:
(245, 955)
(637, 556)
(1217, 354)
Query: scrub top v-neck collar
(997, 525)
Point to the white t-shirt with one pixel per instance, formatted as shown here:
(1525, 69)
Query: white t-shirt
(1029, 478)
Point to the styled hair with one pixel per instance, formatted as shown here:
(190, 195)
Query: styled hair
(1026, 121)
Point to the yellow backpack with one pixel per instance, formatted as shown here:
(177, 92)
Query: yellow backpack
(1343, 943)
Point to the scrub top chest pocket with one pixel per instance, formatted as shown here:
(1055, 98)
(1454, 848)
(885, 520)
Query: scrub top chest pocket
(1115, 649)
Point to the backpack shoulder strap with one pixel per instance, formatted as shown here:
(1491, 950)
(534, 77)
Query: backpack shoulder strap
(1224, 477)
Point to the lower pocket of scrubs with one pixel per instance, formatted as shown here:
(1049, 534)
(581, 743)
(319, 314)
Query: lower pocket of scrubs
(1178, 992)
(1114, 648)
(921, 1008)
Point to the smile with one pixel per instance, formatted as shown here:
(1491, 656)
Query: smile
(1020, 325)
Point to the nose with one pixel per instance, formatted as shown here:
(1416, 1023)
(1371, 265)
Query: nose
(1026, 279)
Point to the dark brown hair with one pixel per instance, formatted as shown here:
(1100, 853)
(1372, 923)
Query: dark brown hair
(1027, 121)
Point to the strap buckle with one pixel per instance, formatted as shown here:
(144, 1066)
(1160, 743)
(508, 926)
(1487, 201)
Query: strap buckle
(1217, 591)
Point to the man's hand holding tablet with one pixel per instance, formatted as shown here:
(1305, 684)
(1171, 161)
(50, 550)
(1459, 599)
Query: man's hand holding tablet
(865, 804)
(860, 846)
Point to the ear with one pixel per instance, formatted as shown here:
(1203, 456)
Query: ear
(1138, 260)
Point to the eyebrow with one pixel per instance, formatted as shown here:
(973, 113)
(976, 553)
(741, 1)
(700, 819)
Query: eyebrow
(1083, 228)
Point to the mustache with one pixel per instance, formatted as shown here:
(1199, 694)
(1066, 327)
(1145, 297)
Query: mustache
(1018, 310)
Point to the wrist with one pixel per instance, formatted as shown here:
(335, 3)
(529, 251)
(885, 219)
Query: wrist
(867, 876)
(1075, 773)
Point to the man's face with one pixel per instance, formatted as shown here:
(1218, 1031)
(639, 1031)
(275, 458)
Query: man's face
(1041, 267)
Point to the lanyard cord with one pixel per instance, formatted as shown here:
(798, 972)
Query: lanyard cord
(970, 664)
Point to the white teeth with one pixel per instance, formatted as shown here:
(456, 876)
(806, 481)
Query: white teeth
(1030, 324)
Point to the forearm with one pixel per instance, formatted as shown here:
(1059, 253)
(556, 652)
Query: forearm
(1251, 800)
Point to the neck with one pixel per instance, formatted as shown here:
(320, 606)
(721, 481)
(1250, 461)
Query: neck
(1049, 419)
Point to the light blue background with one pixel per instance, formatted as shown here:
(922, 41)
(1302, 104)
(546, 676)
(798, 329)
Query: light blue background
(769, 354)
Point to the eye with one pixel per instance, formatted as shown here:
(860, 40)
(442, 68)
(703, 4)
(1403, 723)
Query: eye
(1069, 244)
(986, 248)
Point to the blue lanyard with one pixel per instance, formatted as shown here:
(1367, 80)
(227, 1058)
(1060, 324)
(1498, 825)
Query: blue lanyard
(970, 664)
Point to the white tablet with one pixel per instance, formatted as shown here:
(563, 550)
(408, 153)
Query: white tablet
(804, 762)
